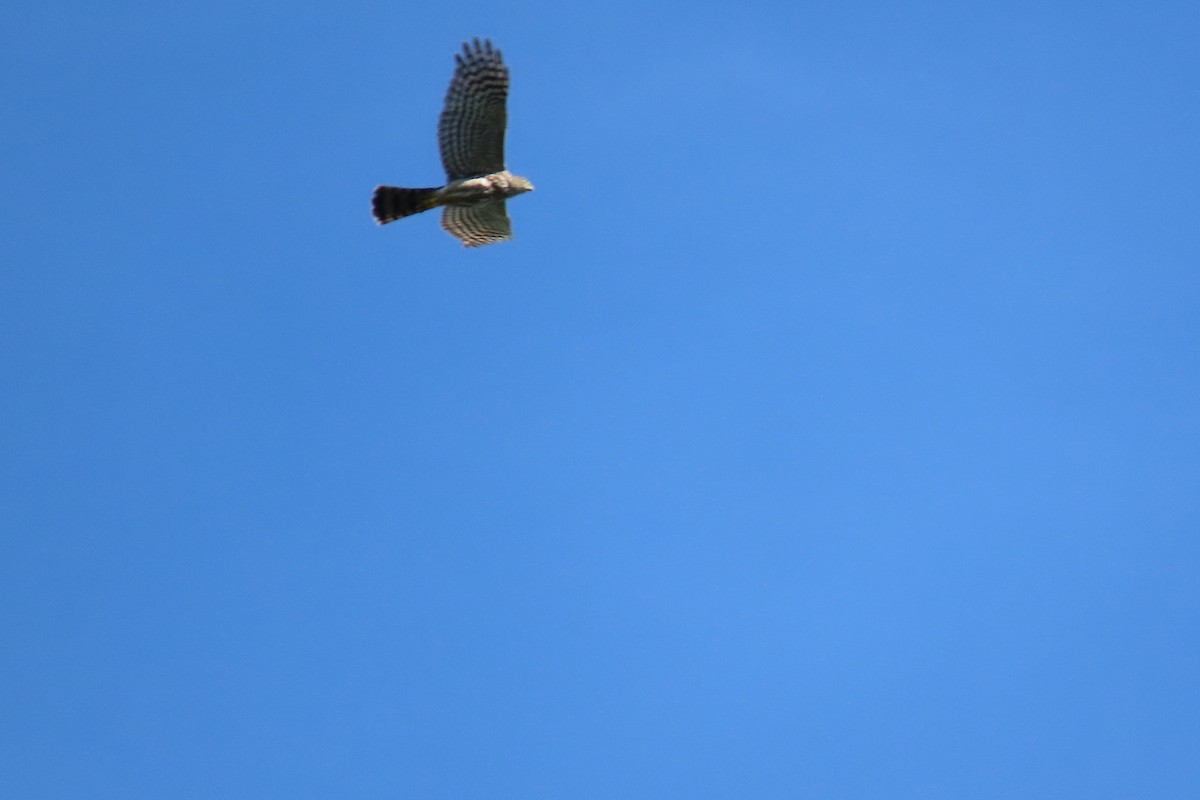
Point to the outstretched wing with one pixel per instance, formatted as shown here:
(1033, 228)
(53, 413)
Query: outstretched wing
(471, 128)
(483, 223)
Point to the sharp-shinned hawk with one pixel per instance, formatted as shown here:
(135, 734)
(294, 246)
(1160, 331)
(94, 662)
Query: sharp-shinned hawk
(471, 138)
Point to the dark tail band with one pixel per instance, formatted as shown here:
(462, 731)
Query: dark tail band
(391, 202)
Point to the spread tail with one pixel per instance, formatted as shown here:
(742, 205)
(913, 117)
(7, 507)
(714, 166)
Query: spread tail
(391, 202)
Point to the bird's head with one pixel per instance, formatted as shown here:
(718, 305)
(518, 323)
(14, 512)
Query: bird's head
(518, 185)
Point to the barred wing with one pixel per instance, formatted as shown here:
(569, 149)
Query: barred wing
(471, 128)
(483, 223)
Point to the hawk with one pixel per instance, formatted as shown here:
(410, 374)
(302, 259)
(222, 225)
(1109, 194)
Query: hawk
(471, 138)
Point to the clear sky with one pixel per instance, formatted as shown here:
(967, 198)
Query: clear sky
(829, 429)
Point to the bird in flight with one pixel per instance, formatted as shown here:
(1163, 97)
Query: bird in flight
(471, 139)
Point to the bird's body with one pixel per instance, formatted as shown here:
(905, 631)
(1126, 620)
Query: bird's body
(471, 139)
(496, 186)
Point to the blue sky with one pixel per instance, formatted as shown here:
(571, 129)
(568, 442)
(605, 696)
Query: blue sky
(828, 430)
